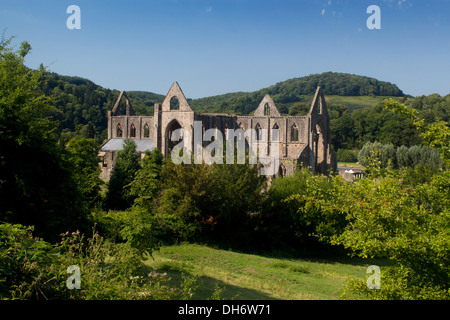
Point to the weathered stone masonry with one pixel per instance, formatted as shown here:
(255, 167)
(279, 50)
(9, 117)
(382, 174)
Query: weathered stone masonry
(302, 140)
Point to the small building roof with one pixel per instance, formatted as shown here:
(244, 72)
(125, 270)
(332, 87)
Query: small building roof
(142, 145)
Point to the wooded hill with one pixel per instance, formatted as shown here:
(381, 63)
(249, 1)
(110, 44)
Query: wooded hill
(81, 101)
(298, 90)
(82, 106)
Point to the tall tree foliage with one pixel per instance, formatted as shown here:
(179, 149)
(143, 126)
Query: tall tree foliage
(295, 211)
(36, 183)
(147, 183)
(212, 202)
(127, 165)
(408, 225)
(435, 134)
(83, 154)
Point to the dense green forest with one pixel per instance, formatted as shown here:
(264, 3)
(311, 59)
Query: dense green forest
(81, 106)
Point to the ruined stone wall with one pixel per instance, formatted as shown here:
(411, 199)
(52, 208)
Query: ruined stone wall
(106, 164)
(127, 122)
(302, 140)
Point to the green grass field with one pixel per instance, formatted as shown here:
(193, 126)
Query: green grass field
(354, 103)
(247, 276)
(352, 165)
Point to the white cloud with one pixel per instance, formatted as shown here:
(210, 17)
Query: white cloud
(399, 3)
(323, 12)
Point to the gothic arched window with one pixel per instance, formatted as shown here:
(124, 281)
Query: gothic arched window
(294, 132)
(146, 131)
(266, 109)
(258, 131)
(133, 131)
(275, 134)
(174, 103)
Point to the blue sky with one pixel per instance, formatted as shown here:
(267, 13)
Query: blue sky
(217, 46)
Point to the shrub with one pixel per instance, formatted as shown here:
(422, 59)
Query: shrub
(346, 156)
(296, 212)
(403, 160)
(386, 156)
(208, 202)
(135, 227)
(30, 268)
(377, 155)
(21, 256)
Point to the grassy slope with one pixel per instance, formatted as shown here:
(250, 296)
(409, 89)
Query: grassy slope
(354, 103)
(247, 276)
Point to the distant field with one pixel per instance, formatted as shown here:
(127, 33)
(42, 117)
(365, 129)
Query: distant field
(353, 165)
(246, 276)
(354, 103)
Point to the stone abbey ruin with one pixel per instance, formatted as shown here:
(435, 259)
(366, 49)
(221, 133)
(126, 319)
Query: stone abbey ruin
(302, 140)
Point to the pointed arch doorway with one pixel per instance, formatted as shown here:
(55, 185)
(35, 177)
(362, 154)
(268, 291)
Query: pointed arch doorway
(169, 138)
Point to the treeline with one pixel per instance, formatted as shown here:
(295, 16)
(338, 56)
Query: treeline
(350, 131)
(402, 157)
(334, 83)
(432, 107)
(81, 106)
